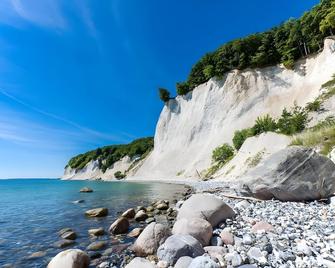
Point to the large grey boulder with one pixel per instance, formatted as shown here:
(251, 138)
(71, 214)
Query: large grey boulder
(204, 262)
(292, 174)
(140, 263)
(207, 207)
(150, 239)
(200, 229)
(183, 262)
(71, 258)
(177, 246)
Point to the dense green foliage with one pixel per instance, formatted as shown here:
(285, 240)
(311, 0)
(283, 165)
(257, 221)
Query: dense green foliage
(293, 121)
(108, 155)
(264, 124)
(286, 43)
(164, 94)
(290, 122)
(223, 153)
(240, 136)
(119, 175)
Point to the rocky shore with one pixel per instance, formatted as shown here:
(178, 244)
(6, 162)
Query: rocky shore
(208, 229)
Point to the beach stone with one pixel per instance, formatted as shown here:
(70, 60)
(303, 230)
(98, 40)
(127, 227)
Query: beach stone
(64, 230)
(203, 262)
(177, 246)
(162, 264)
(227, 237)
(207, 207)
(135, 232)
(199, 228)
(69, 235)
(150, 239)
(140, 263)
(149, 220)
(216, 252)
(129, 213)
(247, 239)
(141, 215)
(97, 245)
(162, 206)
(86, 190)
(97, 212)
(262, 226)
(183, 262)
(255, 254)
(292, 174)
(233, 258)
(216, 241)
(71, 258)
(150, 209)
(38, 254)
(120, 226)
(96, 231)
(303, 248)
(64, 243)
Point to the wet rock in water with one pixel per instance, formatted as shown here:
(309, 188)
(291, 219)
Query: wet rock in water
(69, 235)
(141, 215)
(71, 258)
(140, 263)
(183, 262)
(97, 212)
(135, 232)
(207, 207)
(64, 230)
(149, 220)
(64, 243)
(97, 245)
(177, 246)
(227, 237)
(162, 206)
(78, 201)
(120, 226)
(97, 231)
(86, 190)
(292, 174)
(262, 226)
(38, 254)
(129, 213)
(200, 229)
(141, 208)
(204, 262)
(150, 209)
(150, 239)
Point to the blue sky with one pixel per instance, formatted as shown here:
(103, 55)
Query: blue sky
(79, 74)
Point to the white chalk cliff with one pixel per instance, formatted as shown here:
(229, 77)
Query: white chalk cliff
(191, 126)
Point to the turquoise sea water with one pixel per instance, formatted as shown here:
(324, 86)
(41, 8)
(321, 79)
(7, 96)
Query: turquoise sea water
(32, 211)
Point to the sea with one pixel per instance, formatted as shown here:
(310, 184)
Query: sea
(33, 211)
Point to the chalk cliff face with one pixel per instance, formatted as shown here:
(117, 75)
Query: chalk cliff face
(191, 126)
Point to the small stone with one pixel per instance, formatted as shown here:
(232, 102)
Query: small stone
(64, 230)
(38, 254)
(130, 213)
(262, 226)
(141, 216)
(255, 254)
(149, 220)
(216, 241)
(64, 243)
(120, 226)
(86, 190)
(227, 238)
(162, 206)
(150, 209)
(303, 248)
(183, 262)
(203, 262)
(97, 245)
(233, 258)
(140, 263)
(97, 231)
(247, 239)
(97, 212)
(135, 232)
(162, 264)
(69, 235)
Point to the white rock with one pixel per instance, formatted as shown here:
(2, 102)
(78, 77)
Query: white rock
(71, 258)
(140, 263)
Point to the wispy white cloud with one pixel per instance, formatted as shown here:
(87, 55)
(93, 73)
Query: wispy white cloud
(85, 130)
(46, 13)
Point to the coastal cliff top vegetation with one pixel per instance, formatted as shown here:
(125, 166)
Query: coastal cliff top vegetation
(286, 43)
(108, 155)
